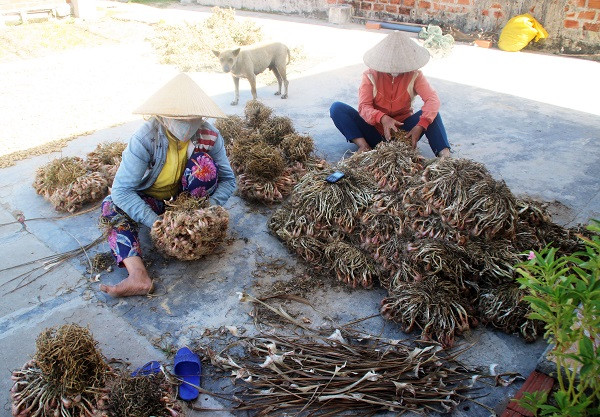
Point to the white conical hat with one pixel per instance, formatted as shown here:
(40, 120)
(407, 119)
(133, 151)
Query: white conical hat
(180, 97)
(396, 53)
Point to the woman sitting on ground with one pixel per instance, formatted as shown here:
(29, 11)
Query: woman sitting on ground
(385, 98)
(175, 150)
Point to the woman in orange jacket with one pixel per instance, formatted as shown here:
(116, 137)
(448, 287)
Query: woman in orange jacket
(385, 98)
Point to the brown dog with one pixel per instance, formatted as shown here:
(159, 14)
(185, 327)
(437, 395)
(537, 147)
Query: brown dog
(248, 61)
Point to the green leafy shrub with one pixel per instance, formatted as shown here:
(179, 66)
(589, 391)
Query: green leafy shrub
(565, 295)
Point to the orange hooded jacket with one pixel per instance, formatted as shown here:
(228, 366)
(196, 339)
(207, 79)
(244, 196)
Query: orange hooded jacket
(380, 93)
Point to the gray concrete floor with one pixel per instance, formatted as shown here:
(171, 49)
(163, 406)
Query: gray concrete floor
(539, 133)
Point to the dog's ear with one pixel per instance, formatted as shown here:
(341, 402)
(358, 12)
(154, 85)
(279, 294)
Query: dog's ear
(236, 52)
(217, 53)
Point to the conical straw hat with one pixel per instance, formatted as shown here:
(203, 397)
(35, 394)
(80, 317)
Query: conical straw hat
(396, 53)
(180, 97)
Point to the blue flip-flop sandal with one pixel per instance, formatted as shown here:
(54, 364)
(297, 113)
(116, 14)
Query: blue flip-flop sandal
(188, 368)
(152, 367)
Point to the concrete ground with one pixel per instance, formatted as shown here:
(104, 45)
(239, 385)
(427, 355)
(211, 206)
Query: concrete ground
(530, 118)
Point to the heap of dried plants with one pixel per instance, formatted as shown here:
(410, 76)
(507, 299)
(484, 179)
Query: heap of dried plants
(142, 396)
(65, 377)
(68, 184)
(106, 159)
(256, 113)
(433, 233)
(189, 45)
(432, 305)
(266, 153)
(296, 147)
(351, 265)
(467, 197)
(503, 306)
(275, 128)
(189, 230)
(231, 128)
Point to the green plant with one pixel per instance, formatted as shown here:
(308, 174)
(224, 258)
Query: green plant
(565, 295)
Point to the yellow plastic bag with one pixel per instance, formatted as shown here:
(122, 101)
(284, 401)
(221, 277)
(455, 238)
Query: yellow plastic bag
(519, 31)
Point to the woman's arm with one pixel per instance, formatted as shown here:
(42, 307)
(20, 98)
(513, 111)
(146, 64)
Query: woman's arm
(431, 101)
(133, 167)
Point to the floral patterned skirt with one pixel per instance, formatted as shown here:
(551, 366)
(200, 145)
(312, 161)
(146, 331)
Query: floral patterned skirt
(200, 179)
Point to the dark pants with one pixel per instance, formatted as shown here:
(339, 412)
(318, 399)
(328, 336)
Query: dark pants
(353, 126)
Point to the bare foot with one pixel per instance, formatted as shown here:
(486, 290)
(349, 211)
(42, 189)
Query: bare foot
(362, 149)
(135, 284)
(444, 153)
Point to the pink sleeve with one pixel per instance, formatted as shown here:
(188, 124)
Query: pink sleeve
(431, 101)
(365, 102)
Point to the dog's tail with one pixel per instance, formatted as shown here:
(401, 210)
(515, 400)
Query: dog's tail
(289, 56)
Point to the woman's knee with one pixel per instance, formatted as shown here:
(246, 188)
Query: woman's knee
(107, 208)
(336, 108)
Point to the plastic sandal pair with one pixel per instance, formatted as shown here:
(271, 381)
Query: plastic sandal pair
(187, 368)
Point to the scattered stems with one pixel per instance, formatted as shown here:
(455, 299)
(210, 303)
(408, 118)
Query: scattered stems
(331, 375)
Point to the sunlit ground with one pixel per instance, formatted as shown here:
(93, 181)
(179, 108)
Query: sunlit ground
(65, 91)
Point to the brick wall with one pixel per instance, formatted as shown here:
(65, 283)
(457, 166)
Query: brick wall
(573, 25)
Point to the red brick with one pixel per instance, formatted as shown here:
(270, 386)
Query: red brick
(570, 16)
(372, 25)
(511, 413)
(391, 9)
(592, 27)
(365, 6)
(571, 24)
(424, 5)
(394, 1)
(482, 43)
(580, 3)
(404, 10)
(536, 381)
(594, 4)
(587, 15)
(378, 7)
(409, 3)
(467, 2)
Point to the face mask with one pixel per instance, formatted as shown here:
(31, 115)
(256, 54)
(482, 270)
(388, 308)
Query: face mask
(182, 129)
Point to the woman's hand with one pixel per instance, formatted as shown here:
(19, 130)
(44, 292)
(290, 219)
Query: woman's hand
(415, 134)
(389, 125)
